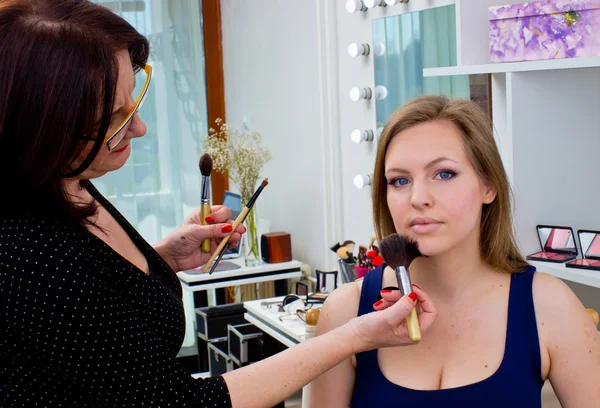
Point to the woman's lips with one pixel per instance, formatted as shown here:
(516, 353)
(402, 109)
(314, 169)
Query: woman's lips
(426, 228)
(122, 149)
(424, 225)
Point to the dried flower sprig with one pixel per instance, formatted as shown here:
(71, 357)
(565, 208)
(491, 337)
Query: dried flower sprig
(239, 153)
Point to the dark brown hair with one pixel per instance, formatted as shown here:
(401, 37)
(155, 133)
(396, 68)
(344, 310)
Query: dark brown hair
(497, 241)
(58, 79)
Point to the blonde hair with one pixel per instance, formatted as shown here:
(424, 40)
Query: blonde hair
(497, 240)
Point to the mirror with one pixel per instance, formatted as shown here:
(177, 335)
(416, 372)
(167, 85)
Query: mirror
(406, 44)
(590, 248)
(302, 291)
(590, 244)
(326, 281)
(557, 239)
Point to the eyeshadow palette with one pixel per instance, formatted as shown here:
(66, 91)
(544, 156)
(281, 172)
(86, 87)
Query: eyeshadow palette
(557, 244)
(550, 257)
(589, 241)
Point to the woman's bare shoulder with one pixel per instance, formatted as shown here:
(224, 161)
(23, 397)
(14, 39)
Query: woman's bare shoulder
(340, 307)
(558, 310)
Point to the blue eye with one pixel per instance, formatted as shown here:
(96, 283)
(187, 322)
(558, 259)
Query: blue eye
(399, 182)
(446, 175)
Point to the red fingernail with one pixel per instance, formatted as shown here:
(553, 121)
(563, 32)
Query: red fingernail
(378, 303)
(210, 219)
(386, 291)
(417, 287)
(413, 296)
(227, 228)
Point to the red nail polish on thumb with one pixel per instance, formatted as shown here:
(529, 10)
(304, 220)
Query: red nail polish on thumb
(413, 296)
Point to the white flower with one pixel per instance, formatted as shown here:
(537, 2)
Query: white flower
(239, 153)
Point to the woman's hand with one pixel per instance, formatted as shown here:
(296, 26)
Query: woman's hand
(181, 249)
(386, 327)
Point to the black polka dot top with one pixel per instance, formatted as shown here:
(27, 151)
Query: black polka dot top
(80, 326)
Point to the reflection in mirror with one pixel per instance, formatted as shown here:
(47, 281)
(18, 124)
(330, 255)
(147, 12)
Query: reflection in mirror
(406, 44)
(557, 239)
(590, 248)
(590, 244)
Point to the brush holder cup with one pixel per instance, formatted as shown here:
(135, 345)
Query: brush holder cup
(347, 271)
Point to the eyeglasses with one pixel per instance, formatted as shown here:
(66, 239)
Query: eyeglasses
(140, 90)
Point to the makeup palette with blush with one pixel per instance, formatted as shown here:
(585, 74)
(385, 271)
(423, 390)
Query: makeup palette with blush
(589, 241)
(557, 243)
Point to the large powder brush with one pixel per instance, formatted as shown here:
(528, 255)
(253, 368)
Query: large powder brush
(206, 165)
(398, 252)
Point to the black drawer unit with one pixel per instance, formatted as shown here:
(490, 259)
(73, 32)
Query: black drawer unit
(212, 321)
(218, 357)
(245, 343)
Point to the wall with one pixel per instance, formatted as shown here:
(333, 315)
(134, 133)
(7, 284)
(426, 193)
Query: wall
(555, 156)
(276, 74)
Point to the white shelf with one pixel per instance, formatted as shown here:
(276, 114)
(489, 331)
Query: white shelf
(583, 276)
(546, 65)
(286, 341)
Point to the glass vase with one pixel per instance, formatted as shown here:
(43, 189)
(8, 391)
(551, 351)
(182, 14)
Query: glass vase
(251, 244)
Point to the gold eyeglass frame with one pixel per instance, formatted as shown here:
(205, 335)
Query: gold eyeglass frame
(138, 104)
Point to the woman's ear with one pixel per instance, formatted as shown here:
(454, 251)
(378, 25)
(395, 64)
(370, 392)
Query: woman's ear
(489, 193)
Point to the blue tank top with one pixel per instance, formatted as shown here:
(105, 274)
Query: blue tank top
(516, 384)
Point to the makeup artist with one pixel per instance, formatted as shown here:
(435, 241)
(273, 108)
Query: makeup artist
(91, 314)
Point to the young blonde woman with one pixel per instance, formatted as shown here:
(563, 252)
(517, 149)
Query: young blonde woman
(503, 329)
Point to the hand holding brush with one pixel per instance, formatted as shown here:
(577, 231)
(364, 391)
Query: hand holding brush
(388, 324)
(398, 252)
(206, 165)
(218, 254)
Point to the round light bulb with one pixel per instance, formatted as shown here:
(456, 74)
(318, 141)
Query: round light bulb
(379, 49)
(359, 136)
(374, 3)
(355, 49)
(356, 94)
(392, 2)
(381, 92)
(352, 6)
(361, 181)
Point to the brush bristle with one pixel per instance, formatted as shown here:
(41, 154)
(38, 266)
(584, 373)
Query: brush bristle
(206, 164)
(264, 183)
(398, 250)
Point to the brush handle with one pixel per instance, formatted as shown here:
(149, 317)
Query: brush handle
(205, 212)
(412, 324)
(224, 241)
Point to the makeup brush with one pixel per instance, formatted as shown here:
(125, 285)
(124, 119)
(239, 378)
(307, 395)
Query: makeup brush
(205, 165)
(398, 252)
(240, 219)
